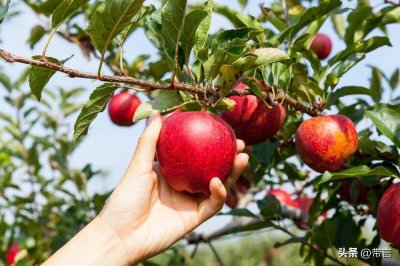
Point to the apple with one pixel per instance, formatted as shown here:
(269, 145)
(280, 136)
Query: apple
(12, 253)
(164, 117)
(122, 108)
(251, 119)
(388, 215)
(325, 142)
(321, 46)
(345, 191)
(282, 196)
(231, 199)
(193, 148)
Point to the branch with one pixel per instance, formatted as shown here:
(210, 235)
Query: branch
(149, 85)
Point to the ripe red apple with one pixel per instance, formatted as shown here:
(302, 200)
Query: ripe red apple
(389, 214)
(122, 108)
(345, 191)
(231, 199)
(194, 147)
(282, 196)
(252, 120)
(304, 204)
(325, 142)
(321, 46)
(164, 117)
(12, 253)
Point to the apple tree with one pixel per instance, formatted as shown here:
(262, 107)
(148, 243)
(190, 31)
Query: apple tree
(324, 157)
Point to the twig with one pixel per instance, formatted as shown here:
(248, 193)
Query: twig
(314, 247)
(149, 85)
(216, 255)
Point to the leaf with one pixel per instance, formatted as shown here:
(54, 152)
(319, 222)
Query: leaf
(308, 17)
(37, 33)
(387, 121)
(65, 9)
(189, 33)
(215, 61)
(325, 234)
(359, 47)
(269, 207)
(203, 28)
(345, 65)
(146, 10)
(165, 102)
(358, 171)
(345, 91)
(109, 19)
(260, 57)
(393, 16)
(153, 29)
(240, 212)
(96, 104)
(4, 10)
(376, 84)
(40, 76)
(172, 21)
(339, 24)
(229, 13)
(395, 79)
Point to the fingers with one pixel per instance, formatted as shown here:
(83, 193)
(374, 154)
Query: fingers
(239, 165)
(240, 145)
(143, 158)
(210, 206)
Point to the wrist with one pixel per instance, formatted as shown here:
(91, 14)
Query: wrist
(96, 244)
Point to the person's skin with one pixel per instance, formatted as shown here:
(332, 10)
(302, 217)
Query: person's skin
(144, 216)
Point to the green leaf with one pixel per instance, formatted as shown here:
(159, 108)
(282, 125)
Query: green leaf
(345, 91)
(345, 65)
(145, 10)
(240, 212)
(308, 17)
(395, 79)
(269, 207)
(5, 81)
(260, 57)
(37, 33)
(203, 28)
(387, 121)
(393, 16)
(215, 61)
(40, 76)
(359, 47)
(172, 21)
(189, 33)
(153, 29)
(64, 10)
(339, 24)
(325, 234)
(376, 84)
(358, 171)
(96, 104)
(229, 13)
(4, 10)
(164, 102)
(109, 19)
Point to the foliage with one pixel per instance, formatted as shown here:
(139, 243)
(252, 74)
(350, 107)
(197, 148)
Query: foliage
(197, 69)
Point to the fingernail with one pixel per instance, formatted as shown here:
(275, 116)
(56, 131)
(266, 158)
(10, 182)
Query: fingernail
(153, 117)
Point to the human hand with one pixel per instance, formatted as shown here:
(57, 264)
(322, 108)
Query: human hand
(146, 214)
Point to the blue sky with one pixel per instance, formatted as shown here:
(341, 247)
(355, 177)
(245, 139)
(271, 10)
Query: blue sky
(110, 147)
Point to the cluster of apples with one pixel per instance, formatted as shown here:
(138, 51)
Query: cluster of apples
(194, 147)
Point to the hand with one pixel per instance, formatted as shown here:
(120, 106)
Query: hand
(149, 216)
(144, 216)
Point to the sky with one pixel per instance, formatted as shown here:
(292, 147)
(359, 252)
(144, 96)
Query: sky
(109, 147)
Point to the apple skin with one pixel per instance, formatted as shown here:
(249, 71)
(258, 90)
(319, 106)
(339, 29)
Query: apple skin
(164, 117)
(325, 142)
(252, 120)
(345, 194)
(12, 253)
(321, 46)
(193, 148)
(122, 108)
(282, 196)
(388, 215)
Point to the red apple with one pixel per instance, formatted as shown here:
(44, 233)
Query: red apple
(122, 108)
(251, 119)
(389, 214)
(345, 191)
(193, 148)
(282, 196)
(304, 204)
(12, 253)
(164, 117)
(325, 142)
(231, 199)
(321, 46)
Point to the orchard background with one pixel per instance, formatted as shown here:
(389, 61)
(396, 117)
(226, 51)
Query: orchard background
(54, 180)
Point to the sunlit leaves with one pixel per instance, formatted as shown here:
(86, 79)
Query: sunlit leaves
(64, 10)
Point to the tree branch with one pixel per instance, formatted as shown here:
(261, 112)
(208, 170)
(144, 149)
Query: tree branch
(148, 85)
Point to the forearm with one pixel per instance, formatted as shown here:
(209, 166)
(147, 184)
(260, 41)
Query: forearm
(96, 244)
